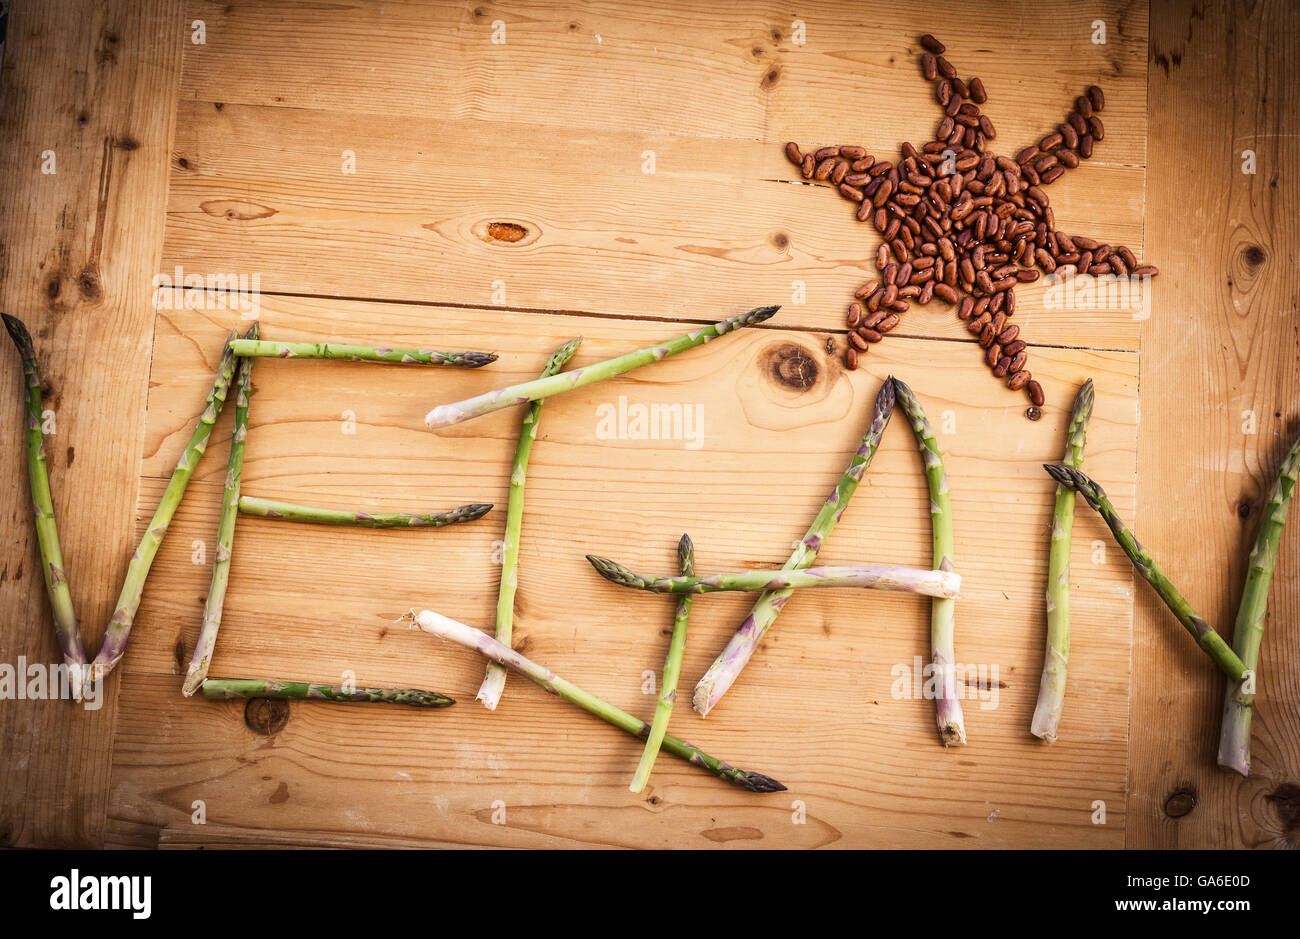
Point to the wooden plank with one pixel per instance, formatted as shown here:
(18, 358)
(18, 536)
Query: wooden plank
(309, 603)
(262, 193)
(96, 88)
(225, 837)
(1221, 346)
(683, 68)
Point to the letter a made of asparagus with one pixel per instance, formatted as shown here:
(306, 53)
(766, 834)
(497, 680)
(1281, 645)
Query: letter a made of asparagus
(726, 668)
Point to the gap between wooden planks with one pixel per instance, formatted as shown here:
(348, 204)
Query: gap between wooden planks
(815, 708)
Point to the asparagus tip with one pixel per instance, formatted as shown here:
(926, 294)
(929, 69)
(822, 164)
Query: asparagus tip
(686, 556)
(1086, 395)
(429, 699)
(757, 782)
(759, 314)
(610, 570)
(566, 351)
(476, 510)
(889, 393)
(1077, 480)
(1061, 473)
(19, 334)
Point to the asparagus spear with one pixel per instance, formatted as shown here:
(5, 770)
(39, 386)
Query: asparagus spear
(1051, 689)
(494, 680)
(875, 576)
(350, 353)
(1204, 634)
(672, 668)
(119, 627)
(447, 414)
(1239, 702)
(288, 511)
(952, 726)
(47, 533)
(225, 689)
(489, 648)
(726, 668)
(212, 608)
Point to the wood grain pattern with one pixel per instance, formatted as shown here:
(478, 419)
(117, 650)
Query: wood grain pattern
(686, 67)
(262, 193)
(858, 757)
(1223, 344)
(94, 85)
(548, 131)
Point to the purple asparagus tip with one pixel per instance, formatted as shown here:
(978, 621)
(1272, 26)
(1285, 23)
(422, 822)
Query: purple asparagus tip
(1059, 473)
(1069, 476)
(475, 511)
(885, 399)
(19, 334)
(757, 782)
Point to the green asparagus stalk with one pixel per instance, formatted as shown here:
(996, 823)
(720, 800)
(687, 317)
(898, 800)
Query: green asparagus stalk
(47, 533)
(873, 576)
(288, 511)
(494, 680)
(948, 714)
(1239, 702)
(447, 414)
(486, 646)
(726, 668)
(1051, 689)
(128, 602)
(227, 689)
(212, 608)
(672, 668)
(1204, 634)
(350, 353)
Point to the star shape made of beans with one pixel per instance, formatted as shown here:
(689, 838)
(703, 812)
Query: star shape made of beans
(964, 225)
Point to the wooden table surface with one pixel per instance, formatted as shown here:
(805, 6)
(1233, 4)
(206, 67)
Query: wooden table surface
(351, 162)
